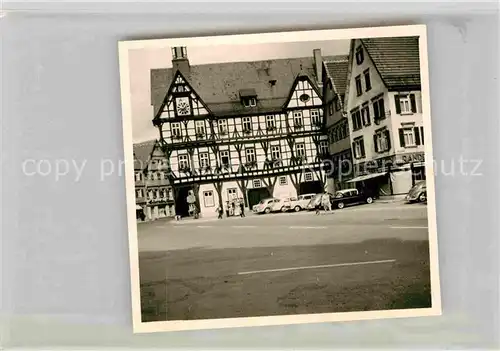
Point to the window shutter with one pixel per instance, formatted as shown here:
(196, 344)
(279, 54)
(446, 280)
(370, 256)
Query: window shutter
(401, 137)
(375, 142)
(362, 144)
(398, 104)
(388, 138)
(417, 135)
(422, 135)
(413, 103)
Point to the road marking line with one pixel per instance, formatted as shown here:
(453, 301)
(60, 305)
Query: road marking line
(299, 227)
(313, 267)
(244, 226)
(204, 226)
(393, 227)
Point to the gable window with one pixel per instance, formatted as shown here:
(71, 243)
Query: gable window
(250, 155)
(378, 108)
(359, 55)
(297, 119)
(323, 147)
(224, 158)
(270, 122)
(137, 176)
(183, 162)
(358, 147)
(300, 150)
(382, 141)
(208, 198)
(356, 119)
(405, 104)
(330, 108)
(247, 124)
(257, 183)
(222, 126)
(176, 130)
(283, 181)
(365, 114)
(315, 117)
(249, 102)
(368, 82)
(204, 160)
(411, 136)
(359, 87)
(308, 177)
(200, 128)
(275, 152)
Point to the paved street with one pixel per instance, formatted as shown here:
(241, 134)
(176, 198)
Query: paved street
(360, 258)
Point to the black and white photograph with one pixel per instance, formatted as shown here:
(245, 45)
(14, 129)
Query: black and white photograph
(279, 178)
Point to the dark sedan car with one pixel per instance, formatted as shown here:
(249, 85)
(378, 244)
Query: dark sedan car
(348, 197)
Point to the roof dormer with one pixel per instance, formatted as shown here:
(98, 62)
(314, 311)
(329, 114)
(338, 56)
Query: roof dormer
(248, 97)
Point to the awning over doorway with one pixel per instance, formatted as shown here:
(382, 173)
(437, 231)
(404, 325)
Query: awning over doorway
(366, 176)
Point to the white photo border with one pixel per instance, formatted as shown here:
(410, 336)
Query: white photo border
(276, 37)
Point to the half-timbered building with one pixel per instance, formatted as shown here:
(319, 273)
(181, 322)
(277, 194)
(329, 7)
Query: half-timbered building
(384, 105)
(241, 130)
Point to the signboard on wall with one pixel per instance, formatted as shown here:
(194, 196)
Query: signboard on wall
(410, 158)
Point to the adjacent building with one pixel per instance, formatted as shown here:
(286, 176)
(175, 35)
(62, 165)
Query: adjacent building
(241, 130)
(384, 110)
(153, 193)
(337, 125)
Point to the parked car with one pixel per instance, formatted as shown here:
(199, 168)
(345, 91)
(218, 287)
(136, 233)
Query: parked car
(348, 197)
(283, 204)
(265, 205)
(418, 193)
(301, 202)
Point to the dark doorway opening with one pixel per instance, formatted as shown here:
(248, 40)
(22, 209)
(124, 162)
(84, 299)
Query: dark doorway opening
(181, 205)
(310, 188)
(255, 195)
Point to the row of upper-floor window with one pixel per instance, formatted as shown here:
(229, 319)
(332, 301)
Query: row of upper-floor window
(140, 176)
(339, 131)
(152, 194)
(410, 136)
(336, 104)
(247, 124)
(250, 153)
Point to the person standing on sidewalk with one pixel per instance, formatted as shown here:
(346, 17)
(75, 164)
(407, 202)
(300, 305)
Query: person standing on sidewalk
(242, 209)
(326, 202)
(219, 212)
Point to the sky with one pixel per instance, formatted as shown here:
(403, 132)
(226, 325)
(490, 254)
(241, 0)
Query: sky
(141, 61)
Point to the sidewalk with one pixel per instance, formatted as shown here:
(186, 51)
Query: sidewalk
(389, 199)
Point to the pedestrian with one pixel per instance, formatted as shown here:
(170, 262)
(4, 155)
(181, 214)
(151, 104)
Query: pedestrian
(326, 202)
(219, 212)
(242, 209)
(227, 208)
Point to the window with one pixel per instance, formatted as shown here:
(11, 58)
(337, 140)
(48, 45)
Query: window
(337, 104)
(308, 177)
(232, 194)
(247, 124)
(222, 126)
(249, 102)
(176, 130)
(208, 198)
(204, 160)
(200, 128)
(315, 117)
(359, 88)
(358, 147)
(224, 157)
(300, 150)
(405, 104)
(275, 152)
(137, 193)
(359, 55)
(330, 108)
(138, 176)
(270, 123)
(250, 155)
(365, 115)
(378, 108)
(257, 183)
(411, 136)
(297, 119)
(183, 162)
(382, 141)
(356, 120)
(323, 147)
(283, 181)
(368, 83)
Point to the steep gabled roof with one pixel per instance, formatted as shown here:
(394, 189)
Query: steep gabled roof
(336, 70)
(397, 60)
(142, 154)
(219, 85)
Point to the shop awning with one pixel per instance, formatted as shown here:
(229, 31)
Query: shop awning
(366, 176)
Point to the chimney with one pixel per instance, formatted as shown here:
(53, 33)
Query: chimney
(180, 61)
(318, 66)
